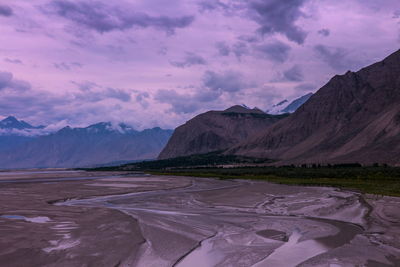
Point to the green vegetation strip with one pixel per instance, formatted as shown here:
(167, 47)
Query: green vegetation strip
(376, 179)
(372, 180)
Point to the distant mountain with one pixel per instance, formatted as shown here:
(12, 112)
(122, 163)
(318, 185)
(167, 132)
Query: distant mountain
(108, 127)
(9, 142)
(217, 130)
(14, 133)
(277, 108)
(295, 104)
(97, 144)
(289, 107)
(12, 126)
(355, 117)
(12, 123)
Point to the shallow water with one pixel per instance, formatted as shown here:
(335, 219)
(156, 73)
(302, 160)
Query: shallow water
(39, 219)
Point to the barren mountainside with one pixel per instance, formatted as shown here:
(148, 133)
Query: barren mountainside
(217, 130)
(355, 117)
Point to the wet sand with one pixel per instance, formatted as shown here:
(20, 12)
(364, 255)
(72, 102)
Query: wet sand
(114, 219)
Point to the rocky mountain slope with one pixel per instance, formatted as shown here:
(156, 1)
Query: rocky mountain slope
(217, 130)
(97, 144)
(355, 117)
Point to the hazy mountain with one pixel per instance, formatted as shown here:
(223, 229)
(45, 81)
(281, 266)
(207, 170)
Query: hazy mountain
(8, 142)
(14, 127)
(12, 123)
(355, 117)
(14, 133)
(288, 107)
(97, 144)
(217, 130)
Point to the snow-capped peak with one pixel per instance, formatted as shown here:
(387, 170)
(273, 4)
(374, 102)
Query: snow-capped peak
(289, 107)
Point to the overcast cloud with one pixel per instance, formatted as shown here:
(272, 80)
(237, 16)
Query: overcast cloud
(152, 63)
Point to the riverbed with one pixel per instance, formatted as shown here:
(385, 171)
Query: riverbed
(74, 218)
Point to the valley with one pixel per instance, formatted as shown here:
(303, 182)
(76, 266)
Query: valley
(203, 133)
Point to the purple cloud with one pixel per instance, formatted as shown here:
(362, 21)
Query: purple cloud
(189, 60)
(306, 87)
(272, 16)
(94, 93)
(294, 74)
(336, 57)
(142, 99)
(104, 18)
(257, 52)
(228, 81)
(13, 61)
(276, 16)
(6, 11)
(240, 49)
(249, 38)
(324, 32)
(7, 81)
(210, 5)
(186, 103)
(276, 51)
(67, 65)
(223, 49)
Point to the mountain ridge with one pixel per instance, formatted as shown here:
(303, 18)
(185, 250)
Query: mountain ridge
(94, 145)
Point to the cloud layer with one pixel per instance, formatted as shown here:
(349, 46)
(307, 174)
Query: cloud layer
(153, 63)
(102, 17)
(6, 11)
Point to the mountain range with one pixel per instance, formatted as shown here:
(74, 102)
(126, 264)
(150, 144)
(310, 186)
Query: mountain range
(355, 117)
(25, 146)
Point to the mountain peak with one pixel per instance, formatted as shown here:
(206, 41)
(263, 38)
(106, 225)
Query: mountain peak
(217, 130)
(243, 109)
(295, 104)
(103, 127)
(13, 123)
(237, 108)
(9, 120)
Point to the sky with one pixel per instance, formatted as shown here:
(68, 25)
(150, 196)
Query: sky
(155, 63)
